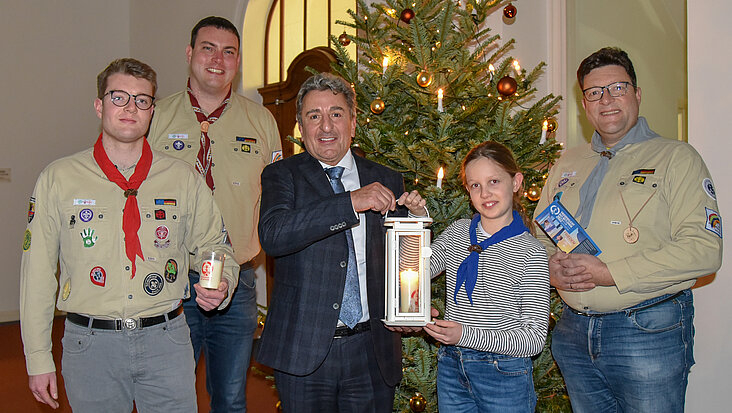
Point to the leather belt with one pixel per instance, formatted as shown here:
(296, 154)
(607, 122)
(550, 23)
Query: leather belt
(122, 324)
(628, 310)
(345, 331)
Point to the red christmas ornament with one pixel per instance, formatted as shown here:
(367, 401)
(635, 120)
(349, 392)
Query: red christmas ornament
(509, 11)
(344, 40)
(507, 86)
(407, 15)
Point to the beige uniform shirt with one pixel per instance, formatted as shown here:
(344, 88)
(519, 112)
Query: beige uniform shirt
(680, 227)
(75, 220)
(243, 141)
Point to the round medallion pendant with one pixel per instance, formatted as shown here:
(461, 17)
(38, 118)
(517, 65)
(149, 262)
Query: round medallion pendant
(631, 235)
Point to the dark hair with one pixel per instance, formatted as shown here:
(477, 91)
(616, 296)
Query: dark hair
(326, 81)
(606, 56)
(503, 156)
(127, 66)
(217, 22)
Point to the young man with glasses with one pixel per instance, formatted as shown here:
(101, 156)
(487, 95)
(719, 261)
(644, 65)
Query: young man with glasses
(625, 338)
(121, 221)
(229, 139)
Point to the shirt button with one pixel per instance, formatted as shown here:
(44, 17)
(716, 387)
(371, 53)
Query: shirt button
(129, 296)
(148, 215)
(127, 268)
(336, 306)
(343, 264)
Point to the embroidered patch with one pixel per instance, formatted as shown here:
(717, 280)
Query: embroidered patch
(245, 139)
(88, 202)
(562, 182)
(171, 271)
(161, 233)
(166, 201)
(644, 172)
(159, 214)
(66, 290)
(276, 156)
(87, 235)
(86, 215)
(615, 222)
(98, 276)
(246, 148)
(31, 209)
(569, 174)
(26, 240)
(714, 222)
(706, 184)
(177, 136)
(639, 179)
(153, 284)
(178, 145)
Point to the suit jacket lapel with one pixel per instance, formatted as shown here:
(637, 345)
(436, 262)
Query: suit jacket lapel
(312, 172)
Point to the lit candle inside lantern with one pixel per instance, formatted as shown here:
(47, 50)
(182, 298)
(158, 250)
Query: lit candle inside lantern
(409, 288)
(439, 100)
(440, 175)
(517, 67)
(544, 128)
(492, 70)
(384, 64)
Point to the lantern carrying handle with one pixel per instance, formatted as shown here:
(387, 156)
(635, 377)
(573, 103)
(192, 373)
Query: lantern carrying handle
(425, 208)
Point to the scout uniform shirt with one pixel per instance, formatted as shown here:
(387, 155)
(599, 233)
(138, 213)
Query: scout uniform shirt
(75, 220)
(244, 139)
(680, 231)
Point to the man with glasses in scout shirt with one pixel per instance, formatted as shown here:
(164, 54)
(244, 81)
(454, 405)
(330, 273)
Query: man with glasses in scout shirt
(121, 221)
(229, 139)
(625, 338)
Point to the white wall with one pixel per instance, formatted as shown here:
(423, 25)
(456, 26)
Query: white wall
(709, 62)
(51, 54)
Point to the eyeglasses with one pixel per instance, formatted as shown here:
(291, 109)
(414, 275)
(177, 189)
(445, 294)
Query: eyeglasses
(121, 98)
(617, 89)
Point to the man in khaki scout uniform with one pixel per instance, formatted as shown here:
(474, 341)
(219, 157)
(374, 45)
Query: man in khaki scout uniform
(122, 222)
(625, 338)
(229, 139)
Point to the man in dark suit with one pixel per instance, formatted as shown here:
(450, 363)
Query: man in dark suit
(322, 220)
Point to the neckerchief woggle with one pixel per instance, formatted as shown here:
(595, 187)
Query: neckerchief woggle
(467, 273)
(131, 214)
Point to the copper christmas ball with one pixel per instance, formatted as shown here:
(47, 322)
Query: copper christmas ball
(534, 193)
(344, 40)
(424, 78)
(418, 403)
(509, 11)
(378, 106)
(407, 15)
(551, 125)
(507, 86)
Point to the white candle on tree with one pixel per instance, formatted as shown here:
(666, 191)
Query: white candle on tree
(439, 100)
(544, 129)
(440, 175)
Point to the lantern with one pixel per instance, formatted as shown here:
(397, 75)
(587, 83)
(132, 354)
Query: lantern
(407, 271)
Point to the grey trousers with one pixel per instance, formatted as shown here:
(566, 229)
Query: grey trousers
(105, 370)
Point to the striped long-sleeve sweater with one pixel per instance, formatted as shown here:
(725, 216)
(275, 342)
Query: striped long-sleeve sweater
(510, 310)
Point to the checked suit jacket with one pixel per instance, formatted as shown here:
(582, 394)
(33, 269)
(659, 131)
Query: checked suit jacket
(302, 225)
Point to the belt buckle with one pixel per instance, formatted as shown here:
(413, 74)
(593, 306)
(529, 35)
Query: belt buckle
(129, 323)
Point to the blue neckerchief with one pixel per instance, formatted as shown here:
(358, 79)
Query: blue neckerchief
(467, 273)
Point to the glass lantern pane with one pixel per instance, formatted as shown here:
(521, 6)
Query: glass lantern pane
(409, 272)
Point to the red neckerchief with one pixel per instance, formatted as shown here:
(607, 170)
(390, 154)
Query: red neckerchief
(131, 214)
(203, 159)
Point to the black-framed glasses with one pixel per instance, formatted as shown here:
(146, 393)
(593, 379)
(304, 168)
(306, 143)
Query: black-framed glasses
(121, 98)
(617, 89)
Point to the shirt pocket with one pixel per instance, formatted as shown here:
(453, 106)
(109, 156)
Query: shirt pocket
(176, 146)
(246, 147)
(88, 231)
(161, 227)
(640, 196)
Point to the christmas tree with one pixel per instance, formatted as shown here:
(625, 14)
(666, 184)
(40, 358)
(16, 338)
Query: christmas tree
(431, 83)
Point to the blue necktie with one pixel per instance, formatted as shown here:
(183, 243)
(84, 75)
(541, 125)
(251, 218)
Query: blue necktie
(351, 304)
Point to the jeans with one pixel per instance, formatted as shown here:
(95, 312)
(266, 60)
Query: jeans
(634, 360)
(226, 339)
(478, 381)
(105, 370)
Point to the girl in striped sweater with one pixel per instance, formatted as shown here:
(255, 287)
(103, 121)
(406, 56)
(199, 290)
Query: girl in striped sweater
(497, 306)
